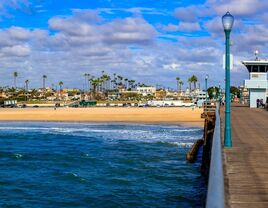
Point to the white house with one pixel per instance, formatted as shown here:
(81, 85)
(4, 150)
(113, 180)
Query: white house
(146, 90)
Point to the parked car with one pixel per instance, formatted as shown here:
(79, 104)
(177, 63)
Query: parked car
(23, 106)
(266, 104)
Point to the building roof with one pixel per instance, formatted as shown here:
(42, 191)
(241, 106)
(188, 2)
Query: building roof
(256, 62)
(256, 66)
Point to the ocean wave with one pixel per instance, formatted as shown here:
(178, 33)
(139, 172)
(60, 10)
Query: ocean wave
(175, 135)
(187, 130)
(17, 155)
(71, 130)
(177, 144)
(73, 177)
(11, 155)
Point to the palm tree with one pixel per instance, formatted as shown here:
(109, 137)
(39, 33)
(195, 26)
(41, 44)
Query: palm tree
(194, 79)
(90, 83)
(190, 84)
(180, 83)
(44, 81)
(105, 78)
(95, 83)
(178, 80)
(60, 84)
(87, 83)
(15, 75)
(109, 80)
(132, 85)
(44, 84)
(26, 85)
(26, 88)
(126, 83)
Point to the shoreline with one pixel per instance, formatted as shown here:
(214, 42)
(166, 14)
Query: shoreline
(169, 116)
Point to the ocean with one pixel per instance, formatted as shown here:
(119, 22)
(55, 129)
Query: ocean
(47, 164)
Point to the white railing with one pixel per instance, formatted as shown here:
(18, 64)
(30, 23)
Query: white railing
(215, 193)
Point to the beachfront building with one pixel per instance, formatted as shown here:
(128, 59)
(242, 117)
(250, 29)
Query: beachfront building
(257, 82)
(145, 91)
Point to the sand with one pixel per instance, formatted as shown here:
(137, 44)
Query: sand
(172, 115)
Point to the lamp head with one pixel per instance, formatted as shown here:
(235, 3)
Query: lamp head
(206, 77)
(256, 54)
(227, 21)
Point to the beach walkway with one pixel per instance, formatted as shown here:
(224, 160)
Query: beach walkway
(246, 163)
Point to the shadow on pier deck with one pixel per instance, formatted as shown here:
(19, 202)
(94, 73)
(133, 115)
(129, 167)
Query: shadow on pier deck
(246, 163)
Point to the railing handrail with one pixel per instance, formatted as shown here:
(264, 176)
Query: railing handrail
(215, 193)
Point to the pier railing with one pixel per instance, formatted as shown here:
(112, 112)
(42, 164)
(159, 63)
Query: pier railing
(215, 193)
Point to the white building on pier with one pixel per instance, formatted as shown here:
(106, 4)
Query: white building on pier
(257, 82)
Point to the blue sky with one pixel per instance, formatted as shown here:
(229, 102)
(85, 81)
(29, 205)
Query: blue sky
(150, 41)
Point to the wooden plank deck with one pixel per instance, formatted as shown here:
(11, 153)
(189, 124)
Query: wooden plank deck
(246, 163)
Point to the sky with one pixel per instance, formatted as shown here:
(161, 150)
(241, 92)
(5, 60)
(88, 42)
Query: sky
(146, 40)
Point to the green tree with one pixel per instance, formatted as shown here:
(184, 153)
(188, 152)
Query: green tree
(26, 85)
(178, 82)
(234, 90)
(190, 84)
(44, 85)
(181, 83)
(194, 79)
(213, 92)
(26, 89)
(15, 75)
(61, 84)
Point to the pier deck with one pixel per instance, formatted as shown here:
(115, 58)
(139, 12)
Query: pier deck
(246, 163)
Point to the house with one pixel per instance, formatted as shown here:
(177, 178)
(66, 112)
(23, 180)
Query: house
(145, 91)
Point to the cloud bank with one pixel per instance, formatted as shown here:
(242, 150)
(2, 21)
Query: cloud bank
(151, 45)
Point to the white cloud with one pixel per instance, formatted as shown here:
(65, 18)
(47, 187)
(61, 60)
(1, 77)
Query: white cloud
(17, 50)
(240, 8)
(129, 30)
(171, 66)
(76, 31)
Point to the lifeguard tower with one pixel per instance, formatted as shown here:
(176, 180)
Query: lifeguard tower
(257, 83)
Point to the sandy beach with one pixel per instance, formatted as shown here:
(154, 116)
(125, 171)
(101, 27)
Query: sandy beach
(184, 116)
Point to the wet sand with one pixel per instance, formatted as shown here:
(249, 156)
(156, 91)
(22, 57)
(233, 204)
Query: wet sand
(172, 115)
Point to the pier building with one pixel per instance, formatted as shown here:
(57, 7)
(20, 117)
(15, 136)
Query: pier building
(257, 82)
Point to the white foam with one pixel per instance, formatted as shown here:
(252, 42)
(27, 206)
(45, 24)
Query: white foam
(18, 155)
(183, 144)
(152, 135)
(187, 130)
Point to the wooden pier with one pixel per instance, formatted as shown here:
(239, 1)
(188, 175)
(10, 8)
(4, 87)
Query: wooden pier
(246, 163)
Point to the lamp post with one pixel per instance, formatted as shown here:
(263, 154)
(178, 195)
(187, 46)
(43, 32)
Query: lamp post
(227, 22)
(206, 85)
